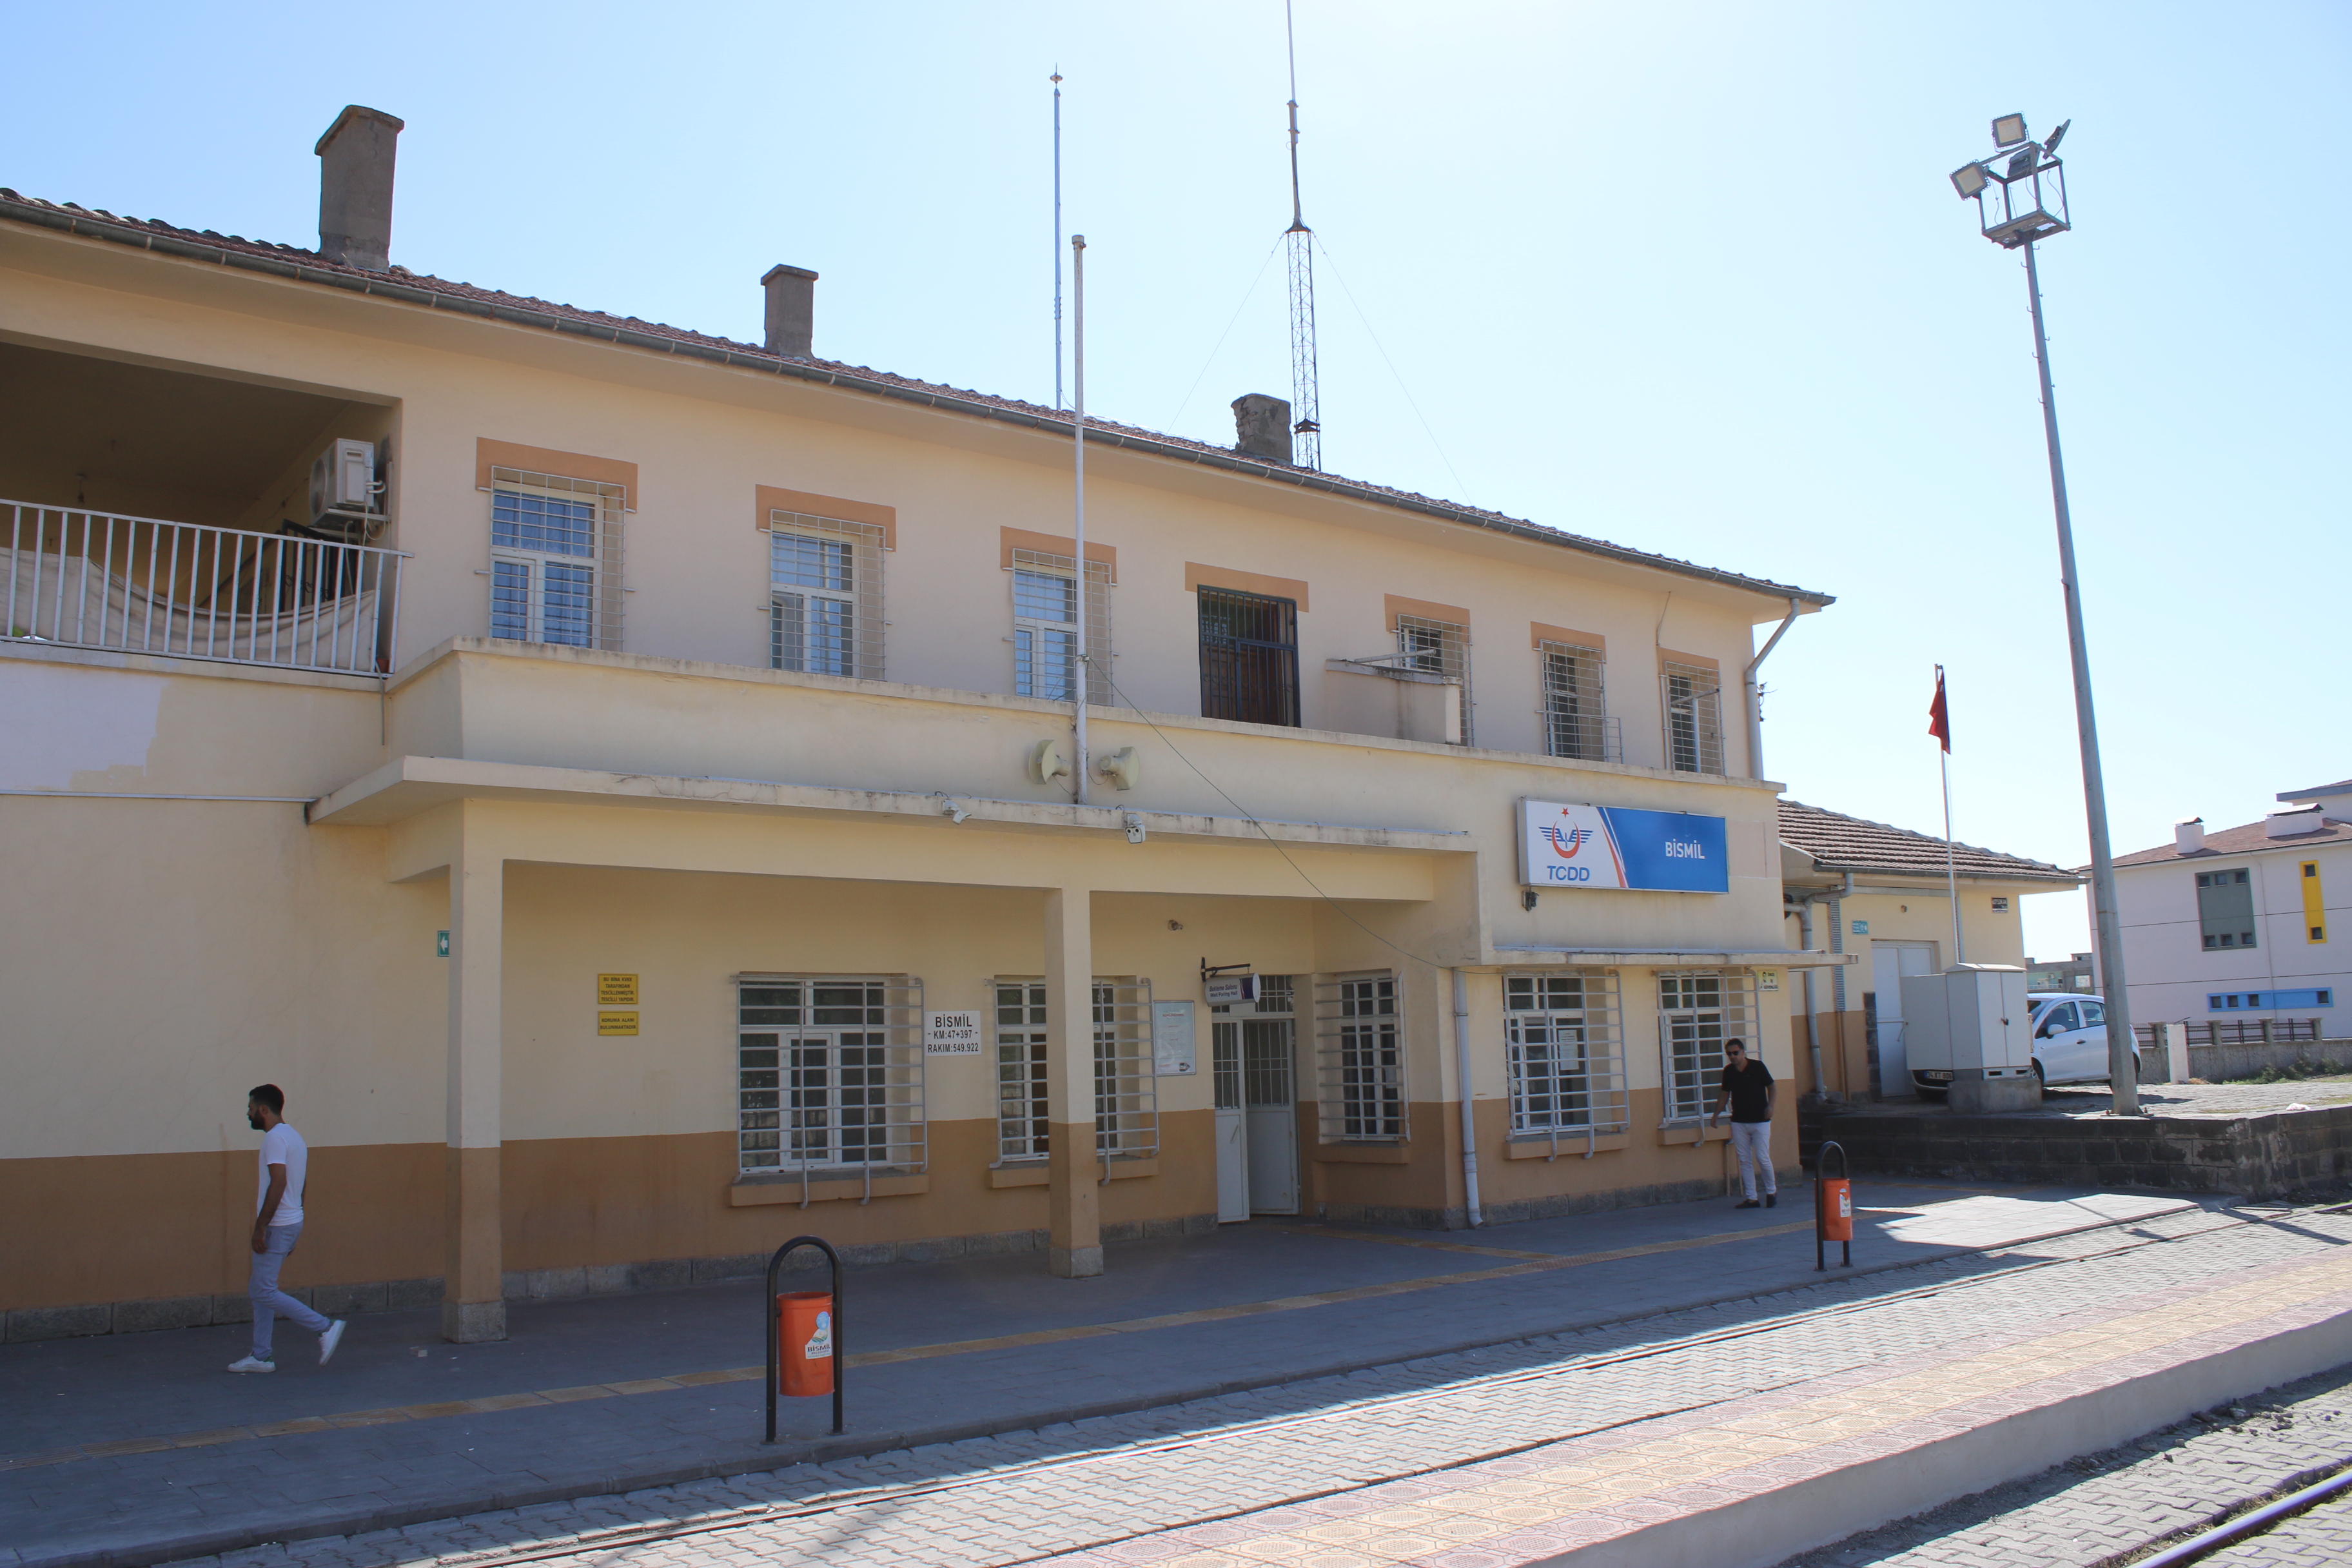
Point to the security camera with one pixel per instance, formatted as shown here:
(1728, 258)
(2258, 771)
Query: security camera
(1134, 825)
(953, 812)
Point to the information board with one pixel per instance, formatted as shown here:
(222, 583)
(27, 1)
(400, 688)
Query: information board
(1175, 1049)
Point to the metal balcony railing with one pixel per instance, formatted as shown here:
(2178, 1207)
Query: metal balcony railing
(139, 585)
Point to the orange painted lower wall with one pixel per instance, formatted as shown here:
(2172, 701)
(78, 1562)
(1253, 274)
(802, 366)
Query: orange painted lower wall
(122, 1227)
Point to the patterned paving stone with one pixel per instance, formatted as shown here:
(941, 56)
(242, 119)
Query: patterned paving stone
(1214, 1468)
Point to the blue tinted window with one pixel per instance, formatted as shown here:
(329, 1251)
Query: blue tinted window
(542, 524)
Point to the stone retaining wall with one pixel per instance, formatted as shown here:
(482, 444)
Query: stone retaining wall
(2225, 1064)
(2265, 1156)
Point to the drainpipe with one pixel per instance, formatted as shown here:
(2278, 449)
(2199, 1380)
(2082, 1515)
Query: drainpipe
(1837, 975)
(1813, 1019)
(1755, 702)
(1469, 1119)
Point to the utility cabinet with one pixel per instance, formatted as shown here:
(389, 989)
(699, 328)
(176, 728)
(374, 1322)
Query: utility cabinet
(1972, 1022)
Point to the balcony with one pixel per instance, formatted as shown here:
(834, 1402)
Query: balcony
(135, 585)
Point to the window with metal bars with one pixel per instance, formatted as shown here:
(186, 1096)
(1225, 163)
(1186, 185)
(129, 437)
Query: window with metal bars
(1249, 657)
(1127, 1109)
(1575, 717)
(824, 596)
(1359, 1056)
(828, 1073)
(1438, 647)
(1699, 1009)
(1694, 707)
(1567, 1062)
(1045, 628)
(555, 559)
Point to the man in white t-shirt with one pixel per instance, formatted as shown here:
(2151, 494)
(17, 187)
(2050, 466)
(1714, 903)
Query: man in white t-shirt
(276, 1227)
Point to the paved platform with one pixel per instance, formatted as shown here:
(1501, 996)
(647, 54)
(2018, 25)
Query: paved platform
(1664, 1418)
(135, 1448)
(2167, 1488)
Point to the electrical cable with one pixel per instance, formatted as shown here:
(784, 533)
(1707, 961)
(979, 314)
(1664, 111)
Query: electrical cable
(1247, 295)
(1462, 484)
(1251, 817)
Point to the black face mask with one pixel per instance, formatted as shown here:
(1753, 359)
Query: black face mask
(254, 1122)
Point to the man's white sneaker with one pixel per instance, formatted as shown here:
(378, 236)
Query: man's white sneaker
(329, 1340)
(253, 1364)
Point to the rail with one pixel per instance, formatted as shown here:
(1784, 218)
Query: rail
(76, 578)
(2237, 1032)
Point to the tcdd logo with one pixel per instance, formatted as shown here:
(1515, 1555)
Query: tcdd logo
(1566, 841)
(1570, 873)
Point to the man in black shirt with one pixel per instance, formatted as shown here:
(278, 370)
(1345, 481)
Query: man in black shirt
(1748, 1093)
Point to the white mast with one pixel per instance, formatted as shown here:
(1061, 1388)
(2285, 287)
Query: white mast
(1307, 446)
(1057, 239)
(1080, 669)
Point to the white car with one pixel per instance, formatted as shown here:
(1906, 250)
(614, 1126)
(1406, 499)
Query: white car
(2070, 1036)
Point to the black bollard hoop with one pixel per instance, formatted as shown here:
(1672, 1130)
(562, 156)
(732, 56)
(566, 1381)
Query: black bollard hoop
(776, 1327)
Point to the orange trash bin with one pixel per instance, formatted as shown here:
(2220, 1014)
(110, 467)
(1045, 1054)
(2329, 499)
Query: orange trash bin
(804, 1356)
(1837, 1208)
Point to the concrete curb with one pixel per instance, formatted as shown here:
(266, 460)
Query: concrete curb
(561, 1486)
(1762, 1531)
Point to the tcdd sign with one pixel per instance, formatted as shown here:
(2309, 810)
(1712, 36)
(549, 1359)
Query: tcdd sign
(1618, 847)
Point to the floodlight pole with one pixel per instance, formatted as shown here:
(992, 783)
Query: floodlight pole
(2123, 1051)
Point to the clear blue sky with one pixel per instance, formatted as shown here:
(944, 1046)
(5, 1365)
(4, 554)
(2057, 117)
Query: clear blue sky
(1684, 276)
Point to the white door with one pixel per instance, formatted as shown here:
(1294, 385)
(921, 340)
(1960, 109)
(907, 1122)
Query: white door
(1889, 962)
(1269, 1105)
(1232, 1134)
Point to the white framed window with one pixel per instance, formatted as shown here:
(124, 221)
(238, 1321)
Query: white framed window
(1576, 722)
(555, 559)
(1699, 1009)
(1250, 1046)
(1438, 647)
(828, 1073)
(1020, 1069)
(1359, 1056)
(1045, 628)
(824, 596)
(1693, 696)
(1567, 1055)
(1127, 1103)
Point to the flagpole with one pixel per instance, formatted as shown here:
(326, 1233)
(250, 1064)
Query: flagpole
(1951, 870)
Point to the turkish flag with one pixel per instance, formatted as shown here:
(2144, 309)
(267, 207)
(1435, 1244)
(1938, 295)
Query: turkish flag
(1939, 717)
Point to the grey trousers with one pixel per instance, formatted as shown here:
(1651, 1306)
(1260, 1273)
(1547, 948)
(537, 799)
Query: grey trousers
(1752, 1141)
(269, 1300)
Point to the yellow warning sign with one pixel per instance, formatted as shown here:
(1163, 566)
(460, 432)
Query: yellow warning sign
(609, 1022)
(617, 991)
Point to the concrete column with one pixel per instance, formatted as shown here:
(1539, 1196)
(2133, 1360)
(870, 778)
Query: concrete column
(473, 1304)
(1075, 1169)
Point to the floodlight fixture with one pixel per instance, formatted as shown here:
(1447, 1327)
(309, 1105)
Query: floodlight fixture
(2009, 131)
(1969, 179)
(2050, 142)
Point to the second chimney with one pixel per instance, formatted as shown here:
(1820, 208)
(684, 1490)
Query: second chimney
(2189, 835)
(791, 311)
(1262, 423)
(355, 160)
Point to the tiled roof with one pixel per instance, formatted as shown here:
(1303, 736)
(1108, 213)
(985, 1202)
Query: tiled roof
(2242, 841)
(422, 289)
(1842, 843)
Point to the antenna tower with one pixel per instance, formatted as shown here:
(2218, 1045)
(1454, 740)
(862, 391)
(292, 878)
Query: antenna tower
(1307, 445)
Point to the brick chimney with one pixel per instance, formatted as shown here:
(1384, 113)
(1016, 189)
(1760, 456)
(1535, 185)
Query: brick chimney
(791, 311)
(355, 159)
(1263, 425)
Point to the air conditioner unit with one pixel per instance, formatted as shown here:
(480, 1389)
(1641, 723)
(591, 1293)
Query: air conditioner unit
(342, 485)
